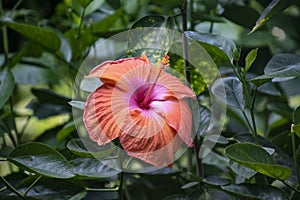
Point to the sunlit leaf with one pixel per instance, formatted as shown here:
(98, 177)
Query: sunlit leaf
(152, 36)
(6, 86)
(250, 58)
(273, 9)
(221, 49)
(255, 191)
(42, 159)
(41, 36)
(258, 159)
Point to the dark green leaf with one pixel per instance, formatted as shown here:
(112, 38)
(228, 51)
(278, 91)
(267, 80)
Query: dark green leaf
(291, 71)
(175, 197)
(258, 159)
(216, 180)
(88, 148)
(107, 23)
(208, 194)
(41, 36)
(6, 86)
(49, 189)
(221, 49)
(169, 3)
(152, 36)
(296, 115)
(297, 129)
(31, 75)
(250, 58)
(84, 3)
(204, 121)
(242, 15)
(190, 184)
(254, 191)
(233, 91)
(92, 168)
(42, 159)
(273, 9)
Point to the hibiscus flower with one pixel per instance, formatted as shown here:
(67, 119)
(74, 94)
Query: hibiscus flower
(143, 106)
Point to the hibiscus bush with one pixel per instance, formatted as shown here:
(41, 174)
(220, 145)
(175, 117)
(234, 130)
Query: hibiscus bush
(150, 99)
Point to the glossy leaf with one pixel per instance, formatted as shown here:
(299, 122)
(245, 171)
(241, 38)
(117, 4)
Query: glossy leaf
(242, 171)
(88, 148)
(233, 90)
(216, 180)
(250, 58)
(90, 84)
(255, 191)
(77, 104)
(42, 159)
(273, 9)
(291, 71)
(6, 86)
(258, 159)
(39, 35)
(152, 36)
(92, 168)
(204, 121)
(49, 189)
(221, 49)
(190, 185)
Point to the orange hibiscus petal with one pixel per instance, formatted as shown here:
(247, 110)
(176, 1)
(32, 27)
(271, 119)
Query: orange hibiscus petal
(147, 136)
(98, 116)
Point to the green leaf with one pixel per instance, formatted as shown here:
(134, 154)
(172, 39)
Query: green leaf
(92, 168)
(107, 23)
(242, 171)
(204, 121)
(41, 36)
(66, 131)
(49, 189)
(273, 9)
(255, 191)
(7, 85)
(93, 6)
(291, 71)
(190, 185)
(242, 15)
(90, 84)
(88, 148)
(296, 129)
(296, 115)
(84, 3)
(233, 90)
(221, 49)
(42, 159)
(216, 180)
(258, 159)
(31, 75)
(152, 36)
(208, 194)
(77, 104)
(250, 58)
(169, 3)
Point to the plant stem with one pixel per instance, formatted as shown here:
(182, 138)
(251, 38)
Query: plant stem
(103, 189)
(11, 188)
(32, 184)
(295, 156)
(187, 71)
(120, 188)
(253, 117)
(5, 39)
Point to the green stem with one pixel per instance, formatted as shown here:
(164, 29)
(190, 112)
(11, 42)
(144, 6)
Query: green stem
(32, 184)
(253, 117)
(11, 188)
(4, 38)
(247, 120)
(295, 156)
(3, 188)
(187, 70)
(120, 188)
(291, 187)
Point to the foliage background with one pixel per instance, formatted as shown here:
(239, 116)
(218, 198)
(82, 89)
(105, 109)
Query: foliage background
(42, 46)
